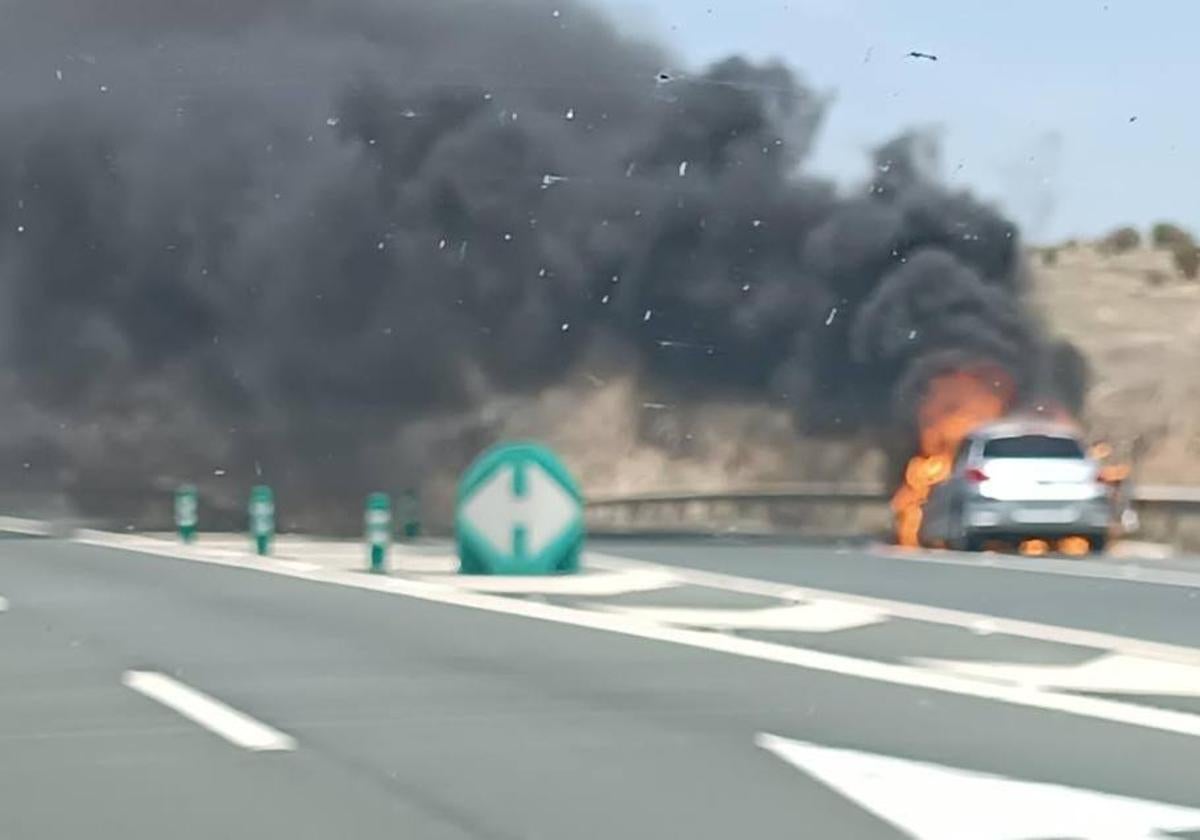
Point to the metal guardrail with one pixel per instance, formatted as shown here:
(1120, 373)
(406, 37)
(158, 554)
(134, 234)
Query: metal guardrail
(816, 509)
(1168, 514)
(814, 490)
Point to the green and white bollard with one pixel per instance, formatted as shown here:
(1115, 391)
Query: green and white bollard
(262, 518)
(410, 515)
(377, 527)
(187, 512)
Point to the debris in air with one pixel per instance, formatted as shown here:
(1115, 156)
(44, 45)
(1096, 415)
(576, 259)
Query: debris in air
(683, 168)
(687, 345)
(1133, 119)
(218, 472)
(646, 317)
(654, 406)
(549, 180)
(566, 326)
(570, 115)
(332, 121)
(832, 315)
(58, 75)
(924, 55)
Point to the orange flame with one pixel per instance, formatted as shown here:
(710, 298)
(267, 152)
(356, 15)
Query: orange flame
(1074, 546)
(954, 404)
(1034, 548)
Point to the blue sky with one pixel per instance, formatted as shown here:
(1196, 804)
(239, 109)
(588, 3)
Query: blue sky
(1033, 100)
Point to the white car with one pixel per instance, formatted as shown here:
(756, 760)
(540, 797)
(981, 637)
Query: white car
(1017, 480)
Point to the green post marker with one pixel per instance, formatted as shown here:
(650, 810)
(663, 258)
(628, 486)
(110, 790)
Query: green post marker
(377, 526)
(519, 512)
(187, 511)
(410, 514)
(262, 518)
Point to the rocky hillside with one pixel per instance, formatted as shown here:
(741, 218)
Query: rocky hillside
(1137, 318)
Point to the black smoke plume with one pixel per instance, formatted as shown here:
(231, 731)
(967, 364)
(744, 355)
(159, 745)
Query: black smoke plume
(295, 240)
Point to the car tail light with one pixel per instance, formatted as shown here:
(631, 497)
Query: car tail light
(975, 475)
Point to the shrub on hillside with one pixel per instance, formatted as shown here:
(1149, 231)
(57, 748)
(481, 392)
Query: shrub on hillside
(1121, 240)
(1049, 256)
(1167, 235)
(1187, 259)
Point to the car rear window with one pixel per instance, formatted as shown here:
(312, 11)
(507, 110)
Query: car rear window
(1032, 446)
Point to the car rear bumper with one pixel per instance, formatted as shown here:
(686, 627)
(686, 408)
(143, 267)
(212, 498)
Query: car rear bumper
(1040, 518)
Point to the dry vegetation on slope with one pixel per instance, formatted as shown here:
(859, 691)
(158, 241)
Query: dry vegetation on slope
(1137, 319)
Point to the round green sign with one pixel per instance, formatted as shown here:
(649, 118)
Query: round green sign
(519, 512)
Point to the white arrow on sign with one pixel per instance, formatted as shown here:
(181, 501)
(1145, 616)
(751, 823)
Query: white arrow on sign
(545, 510)
(1115, 673)
(931, 802)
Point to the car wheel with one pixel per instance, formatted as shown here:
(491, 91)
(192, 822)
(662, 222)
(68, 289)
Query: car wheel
(971, 542)
(1098, 543)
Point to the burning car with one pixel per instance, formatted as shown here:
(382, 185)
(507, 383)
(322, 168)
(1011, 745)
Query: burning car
(1020, 481)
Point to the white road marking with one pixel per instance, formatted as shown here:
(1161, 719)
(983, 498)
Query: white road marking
(931, 802)
(425, 564)
(234, 726)
(32, 527)
(1112, 674)
(974, 622)
(814, 617)
(3, 604)
(1109, 710)
(299, 565)
(593, 584)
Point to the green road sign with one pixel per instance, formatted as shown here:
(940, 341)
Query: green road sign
(187, 512)
(262, 518)
(377, 528)
(519, 512)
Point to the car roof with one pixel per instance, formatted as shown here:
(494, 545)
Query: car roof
(1017, 426)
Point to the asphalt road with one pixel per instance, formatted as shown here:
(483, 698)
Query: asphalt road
(414, 718)
(1113, 596)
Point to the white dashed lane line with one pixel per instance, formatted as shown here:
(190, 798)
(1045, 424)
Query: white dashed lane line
(234, 726)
